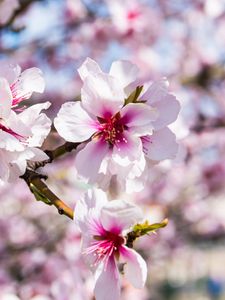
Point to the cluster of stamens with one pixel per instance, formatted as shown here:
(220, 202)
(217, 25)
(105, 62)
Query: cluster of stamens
(111, 129)
(104, 247)
(17, 98)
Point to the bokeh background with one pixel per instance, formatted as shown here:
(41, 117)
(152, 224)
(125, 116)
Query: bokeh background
(182, 40)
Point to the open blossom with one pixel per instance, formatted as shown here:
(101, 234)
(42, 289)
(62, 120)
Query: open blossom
(103, 225)
(21, 133)
(121, 135)
(130, 17)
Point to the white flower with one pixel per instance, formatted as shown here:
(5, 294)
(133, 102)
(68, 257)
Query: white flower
(21, 133)
(121, 135)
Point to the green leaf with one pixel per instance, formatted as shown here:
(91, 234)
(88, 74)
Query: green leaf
(145, 228)
(38, 194)
(134, 96)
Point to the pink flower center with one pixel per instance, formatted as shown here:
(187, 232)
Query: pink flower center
(105, 246)
(133, 14)
(111, 129)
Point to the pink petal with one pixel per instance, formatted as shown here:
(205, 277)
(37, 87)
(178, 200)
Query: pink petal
(124, 71)
(161, 145)
(89, 67)
(73, 123)
(135, 268)
(168, 110)
(138, 118)
(128, 148)
(118, 215)
(6, 98)
(88, 160)
(102, 95)
(107, 286)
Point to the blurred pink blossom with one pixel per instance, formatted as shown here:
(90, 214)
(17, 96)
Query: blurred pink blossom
(7, 8)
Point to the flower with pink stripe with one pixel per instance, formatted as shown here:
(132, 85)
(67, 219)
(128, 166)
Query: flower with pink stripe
(103, 226)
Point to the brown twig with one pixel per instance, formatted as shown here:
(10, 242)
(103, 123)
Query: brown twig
(35, 179)
(54, 154)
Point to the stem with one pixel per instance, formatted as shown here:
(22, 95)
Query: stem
(39, 188)
(61, 150)
(35, 179)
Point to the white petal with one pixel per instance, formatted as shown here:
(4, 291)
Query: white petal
(30, 80)
(38, 122)
(17, 169)
(88, 160)
(38, 154)
(124, 71)
(73, 123)
(17, 125)
(6, 98)
(118, 215)
(4, 167)
(9, 142)
(161, 145)
(107, 284)
(16, 164)
(9, 71)
(102, 95)
(27, 154)
(135, 268)
(92, 199)
(156, 92)
(32, 113)
(89, 67)
(168, 110)
(138, 118)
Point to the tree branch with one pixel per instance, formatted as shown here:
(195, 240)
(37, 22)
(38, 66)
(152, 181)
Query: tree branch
(24, 4)
(39, 188)
(34, 179)
(54, 154)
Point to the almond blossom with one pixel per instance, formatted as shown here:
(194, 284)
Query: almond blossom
(103, 226)
(20, 133)
(121, 134)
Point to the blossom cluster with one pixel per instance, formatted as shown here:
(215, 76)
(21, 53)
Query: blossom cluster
(22, 129)
(122, 125)
(40, 257)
